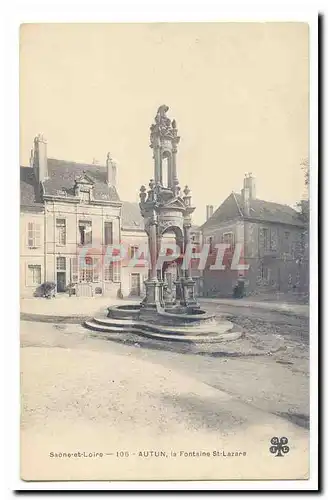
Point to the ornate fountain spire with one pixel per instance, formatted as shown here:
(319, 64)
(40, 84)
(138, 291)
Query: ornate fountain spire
(164, 140)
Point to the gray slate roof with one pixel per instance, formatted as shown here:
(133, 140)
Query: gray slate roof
(271, 212)
(131, 216)
(261, 210)
(61, 180)
(28, 189)
(62, 175)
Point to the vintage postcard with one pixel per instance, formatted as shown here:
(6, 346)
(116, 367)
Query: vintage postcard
(164, 251)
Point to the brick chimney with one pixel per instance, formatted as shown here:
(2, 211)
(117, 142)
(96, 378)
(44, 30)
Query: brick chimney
(248, 192)
(111, 170)
(209, 211)
(249, 182)
(246, 200)
(40, 158)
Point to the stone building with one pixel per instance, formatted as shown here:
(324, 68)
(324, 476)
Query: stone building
(134, 239)
(71, 213)
(270, 237)
(67, 210)
(32, 247)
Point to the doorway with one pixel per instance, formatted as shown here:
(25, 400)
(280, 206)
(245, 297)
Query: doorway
(135, 284)
(61, 281)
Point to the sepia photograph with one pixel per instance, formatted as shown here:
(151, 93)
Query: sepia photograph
(165, 175)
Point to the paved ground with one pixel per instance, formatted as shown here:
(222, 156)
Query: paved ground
(83, 392)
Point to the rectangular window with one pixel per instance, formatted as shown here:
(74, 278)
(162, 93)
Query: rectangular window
(286, 242)
(85, 230)
(85, 270)
(195, 237)
(266, 238)
(96, 269)
(210, 241)
(228, 239)
(85, 196)
(74, 270)
(133, 251)
(108, 272)
(33, 235)
(116, 272)
(61, 231)
(108, 233)
(61, 263)
(265, 273)
(34, 275)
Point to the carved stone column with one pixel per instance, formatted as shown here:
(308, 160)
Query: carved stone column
(175, 180)
(154, 288)
(152, 239)
(188, 284)
(187, 241)
(158, 164)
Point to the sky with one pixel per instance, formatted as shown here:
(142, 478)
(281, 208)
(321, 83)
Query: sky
(238, 91)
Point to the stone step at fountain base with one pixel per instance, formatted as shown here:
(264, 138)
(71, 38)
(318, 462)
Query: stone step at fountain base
(246, 345)
(222, 331)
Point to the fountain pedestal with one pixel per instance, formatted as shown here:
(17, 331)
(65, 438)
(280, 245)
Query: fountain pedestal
(188, 297)
(154, 295)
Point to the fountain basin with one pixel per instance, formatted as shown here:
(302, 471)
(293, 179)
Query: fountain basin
(176, 317)
(196, 326)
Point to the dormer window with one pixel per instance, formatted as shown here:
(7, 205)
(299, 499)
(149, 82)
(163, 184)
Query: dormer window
(85, 196)
(84, 188)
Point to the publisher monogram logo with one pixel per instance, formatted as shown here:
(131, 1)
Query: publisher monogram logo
(279, 446)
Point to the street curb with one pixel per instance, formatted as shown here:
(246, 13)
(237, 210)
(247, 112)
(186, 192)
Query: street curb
(77, 319)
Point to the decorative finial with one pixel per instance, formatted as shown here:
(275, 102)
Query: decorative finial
(186, 191)
(152, 184)
(142, 194)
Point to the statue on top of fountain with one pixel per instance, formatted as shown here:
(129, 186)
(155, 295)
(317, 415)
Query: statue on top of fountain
(163, 126)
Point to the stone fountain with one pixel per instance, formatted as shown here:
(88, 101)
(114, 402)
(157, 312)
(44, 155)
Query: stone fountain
(166, 209)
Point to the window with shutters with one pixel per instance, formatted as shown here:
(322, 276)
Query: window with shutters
(61, 231)
(33, 235)
(108, 233)
(34, 275)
